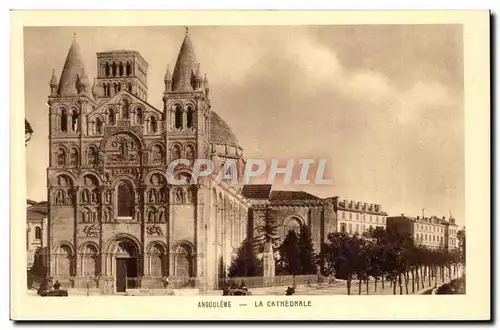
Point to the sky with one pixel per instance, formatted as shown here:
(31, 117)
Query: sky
(383, 104)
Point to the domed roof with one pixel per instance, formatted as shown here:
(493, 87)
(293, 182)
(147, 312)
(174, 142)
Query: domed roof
(220, 132)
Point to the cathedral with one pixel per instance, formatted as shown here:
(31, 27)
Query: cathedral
(114, 220)
(113, 217)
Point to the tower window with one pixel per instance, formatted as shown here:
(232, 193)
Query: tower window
(125, 200)
(129, 87)
(129, 69)
(113, 69)
(74, 121)
(64, 121)
(107, 69)
(154, 124)
(138, 116)
(106, 89)
(120, 69)
(190, 117)
(178, 117)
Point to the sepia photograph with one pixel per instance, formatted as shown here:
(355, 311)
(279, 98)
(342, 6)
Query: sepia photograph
(204, 161)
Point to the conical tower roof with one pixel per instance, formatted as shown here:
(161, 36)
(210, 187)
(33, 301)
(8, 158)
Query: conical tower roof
(184, 67)
(72, 70)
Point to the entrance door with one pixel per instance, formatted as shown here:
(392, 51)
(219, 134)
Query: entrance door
(121, 274)
(132, 273)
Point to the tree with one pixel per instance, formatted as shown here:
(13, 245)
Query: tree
(246, 263)
(307, 257)
(28, 131)
(340, 252)
(289, 262)
(267, 229)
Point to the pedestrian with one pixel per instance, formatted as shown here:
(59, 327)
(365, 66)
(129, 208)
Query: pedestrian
(57, 285)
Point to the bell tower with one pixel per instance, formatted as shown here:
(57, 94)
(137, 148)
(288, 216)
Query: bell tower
(186, 107)
(121, 70)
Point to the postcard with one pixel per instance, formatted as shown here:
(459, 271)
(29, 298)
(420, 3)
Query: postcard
(321, 165)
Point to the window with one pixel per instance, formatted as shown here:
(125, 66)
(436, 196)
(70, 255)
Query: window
(38, 232)
(74, 121)
(125, 200)
(113, 70)
(107, 69)
(153, 124)
(129, 69)
(342, 227)
(138, 116)
(111, 117)
(350, 216)
(350, 228)
(190, 117)
(343, 215)
(178, 117)
(120, 69)
(357, 228)
(98, 126)
(64, 121)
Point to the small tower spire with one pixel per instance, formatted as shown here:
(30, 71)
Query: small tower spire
(53, 83)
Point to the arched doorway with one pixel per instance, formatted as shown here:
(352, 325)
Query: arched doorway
(123, 262)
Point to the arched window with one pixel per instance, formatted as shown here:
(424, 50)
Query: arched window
(121, 69)
(126, 200)
(125, 109)
(73, 157)
(178, 117)
(111, 117)
(107, 69)
(129, 87)
(138, 116)
(153, 124)
(38, 232)
(64, 120)
(98, 126)
(116, 88)
(190, 117)
(74, 121)
(113, 69)
(129, 69)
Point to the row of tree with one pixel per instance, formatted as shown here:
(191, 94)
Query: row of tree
(380, 256)
(386, 255)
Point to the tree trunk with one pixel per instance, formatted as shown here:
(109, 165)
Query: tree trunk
(406, 282)
(429, 277)
(375, 284)
(418, 278)
(382, 282)
(400, 282)
(359, 286)
(367, 286)
(413, 281)
(435, 277)
(423, 276)
(348, 286)
(393, 283)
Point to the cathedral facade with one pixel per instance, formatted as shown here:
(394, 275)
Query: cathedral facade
(114, 219)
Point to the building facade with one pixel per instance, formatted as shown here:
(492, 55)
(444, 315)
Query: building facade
(36, 234)
(358, 217)
(429, 232)
(112, 214)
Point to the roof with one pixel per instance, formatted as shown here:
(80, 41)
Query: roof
(285, 195)
(37, 211)
(184, 67)
(220, 132)
(71, 72)
(256, 191)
